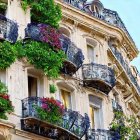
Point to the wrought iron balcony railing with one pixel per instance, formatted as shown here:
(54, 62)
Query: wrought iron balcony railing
(73, 126)
(8, 29)
(98, 76)
(108, 16)
(125, 66)
(116, 106)
(99, 134)
(74, 55)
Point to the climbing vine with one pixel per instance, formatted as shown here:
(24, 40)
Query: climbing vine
(124, 127)
(44, 11)
(5, 103)
(8, 54)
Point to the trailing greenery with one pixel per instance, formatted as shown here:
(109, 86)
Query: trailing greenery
(8, 54)
(44, 11)
(43, 56)
(3, 88)
(5, 103)
(124, 127)
(52, 88)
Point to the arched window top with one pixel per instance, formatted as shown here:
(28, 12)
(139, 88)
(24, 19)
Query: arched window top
(64, 31)
(65, 86)
(95, 100)
(91, 42)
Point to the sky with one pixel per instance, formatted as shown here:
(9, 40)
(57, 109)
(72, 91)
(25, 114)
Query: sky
(129, 12)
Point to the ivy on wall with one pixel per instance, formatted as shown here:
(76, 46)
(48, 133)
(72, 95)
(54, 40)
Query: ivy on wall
(43, 11)
(8, 54)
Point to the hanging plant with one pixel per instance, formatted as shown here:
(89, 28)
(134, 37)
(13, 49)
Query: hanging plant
(8, 54)
(53, 88)
(44, 11)
(5, 103)
(43, 56)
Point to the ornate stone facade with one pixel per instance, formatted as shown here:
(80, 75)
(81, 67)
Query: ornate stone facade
(104, 81)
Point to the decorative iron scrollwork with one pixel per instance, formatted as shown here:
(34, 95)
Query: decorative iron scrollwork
(98, 76)
(75, 56)
(99, 134)
(124, 65)
(8, 29)
(74, 125)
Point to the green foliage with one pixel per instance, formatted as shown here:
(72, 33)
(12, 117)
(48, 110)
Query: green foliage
(53, 88)
(3, 7)
(5, 103)
(50, 111)
(44, 57)
(44, 11)
(127, 127)
(3, 88)
(8, 54)
(41, 55)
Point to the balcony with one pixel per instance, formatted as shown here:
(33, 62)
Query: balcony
(8, 29)
(125, 66)
(73, 125)
(74, 55)
(106, 15)
(99, 77)
(99, 134)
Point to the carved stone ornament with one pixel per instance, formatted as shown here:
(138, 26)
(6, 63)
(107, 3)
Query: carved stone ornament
(4, 130)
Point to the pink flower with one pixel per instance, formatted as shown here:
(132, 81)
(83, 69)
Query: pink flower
(44, 106)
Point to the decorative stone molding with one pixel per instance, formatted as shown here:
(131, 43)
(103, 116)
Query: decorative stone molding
(5, 127)
(29, 135)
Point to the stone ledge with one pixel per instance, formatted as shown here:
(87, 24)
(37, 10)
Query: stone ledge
(30, 135)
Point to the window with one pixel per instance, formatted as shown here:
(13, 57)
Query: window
(95, 111)
(32, 86)
(95, 117)
(90, 53)
(66, 99)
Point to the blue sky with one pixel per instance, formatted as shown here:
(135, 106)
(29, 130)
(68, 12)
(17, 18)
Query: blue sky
(129, 12)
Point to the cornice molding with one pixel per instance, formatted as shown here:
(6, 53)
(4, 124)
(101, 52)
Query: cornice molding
(69, 11)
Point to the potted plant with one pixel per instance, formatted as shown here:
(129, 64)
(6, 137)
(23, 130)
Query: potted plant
(52, 88)
(5, 103)
(51, 110)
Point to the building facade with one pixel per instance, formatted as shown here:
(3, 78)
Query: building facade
(92, 83)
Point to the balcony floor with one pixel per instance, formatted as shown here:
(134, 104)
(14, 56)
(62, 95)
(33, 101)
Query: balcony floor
(46, 129)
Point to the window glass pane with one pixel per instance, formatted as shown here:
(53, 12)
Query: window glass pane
(66, 98)
(32, 86)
